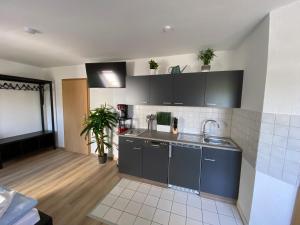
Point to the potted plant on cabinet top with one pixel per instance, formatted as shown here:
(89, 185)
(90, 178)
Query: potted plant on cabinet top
(153, 67)
(206, 56)
(98, 121)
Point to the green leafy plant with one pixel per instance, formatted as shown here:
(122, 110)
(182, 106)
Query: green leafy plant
(163, 118)
(206, 56)
(97, 122)
(153, 65)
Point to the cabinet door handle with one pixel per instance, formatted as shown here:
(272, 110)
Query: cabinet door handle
(167, 103)
(129, 140)
(211, 160)
(211, 104)
(155, 146)
(137, 148)
(170, 152)
(178, 103)
(144, 102)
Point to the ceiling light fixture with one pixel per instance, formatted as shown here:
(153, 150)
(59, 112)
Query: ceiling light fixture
(31, 30)
(168, 28)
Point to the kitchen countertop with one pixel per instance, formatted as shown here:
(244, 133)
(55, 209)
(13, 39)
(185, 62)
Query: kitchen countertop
(173, 138)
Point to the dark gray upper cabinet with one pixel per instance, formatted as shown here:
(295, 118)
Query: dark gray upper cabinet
(220, 172)
(161, 91)
(188, 89)
(137, 90)
(155, 161)
(224, 89)
(130, 156)
(184, 169)
(221, 89)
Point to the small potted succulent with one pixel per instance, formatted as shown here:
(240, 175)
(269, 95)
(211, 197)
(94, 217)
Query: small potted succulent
(153, 67)
(99, 122)
(206, 56)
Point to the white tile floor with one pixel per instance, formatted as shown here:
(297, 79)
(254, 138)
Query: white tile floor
(135, 203)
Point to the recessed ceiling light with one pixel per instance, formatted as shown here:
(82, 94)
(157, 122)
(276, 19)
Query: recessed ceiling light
(168, 28)
(31, 30)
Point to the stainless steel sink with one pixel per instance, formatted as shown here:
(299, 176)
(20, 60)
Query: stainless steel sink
(218, 141)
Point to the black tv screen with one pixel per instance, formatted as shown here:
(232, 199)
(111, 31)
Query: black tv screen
(106, 75)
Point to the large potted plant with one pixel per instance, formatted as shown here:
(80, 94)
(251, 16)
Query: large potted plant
(206, 56)
(99, 122)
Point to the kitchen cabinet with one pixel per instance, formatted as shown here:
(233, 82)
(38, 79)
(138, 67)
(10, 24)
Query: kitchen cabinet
(130, 156)
(220, 172)
(220, 89)
(137, 90)
(184, 169)
(188, 89)
(155, 161)
(161, 91)
(224, 89)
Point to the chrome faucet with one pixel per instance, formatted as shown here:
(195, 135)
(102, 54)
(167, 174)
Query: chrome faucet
(204, 133)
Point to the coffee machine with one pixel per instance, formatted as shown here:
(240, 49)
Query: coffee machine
(123, 111)
(123, 118)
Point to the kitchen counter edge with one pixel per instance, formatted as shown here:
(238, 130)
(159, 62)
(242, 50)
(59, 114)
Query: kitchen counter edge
(172, 141)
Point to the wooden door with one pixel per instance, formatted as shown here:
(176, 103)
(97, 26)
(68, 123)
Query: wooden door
(75, 107)
(296, 218)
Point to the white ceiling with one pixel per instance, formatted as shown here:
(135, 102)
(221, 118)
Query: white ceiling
(76, 31)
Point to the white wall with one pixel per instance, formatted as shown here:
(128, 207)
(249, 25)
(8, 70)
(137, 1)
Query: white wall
(273, 201)
(223, 61)
(282, 94)
(252, 55)
(56, 74)
(113, 96)
(271, 86)
(275, 186)
(244, 202)
(20, 110)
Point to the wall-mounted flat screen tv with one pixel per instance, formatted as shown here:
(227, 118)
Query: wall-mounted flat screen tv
(106, 75)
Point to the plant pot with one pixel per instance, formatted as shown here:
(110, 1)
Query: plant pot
(205, 68)
(153, 71)
(102, 159)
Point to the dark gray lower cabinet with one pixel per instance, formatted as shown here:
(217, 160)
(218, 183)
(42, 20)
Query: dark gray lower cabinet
(220, 172)
(184, 168)
(130, 156)
(155, 161)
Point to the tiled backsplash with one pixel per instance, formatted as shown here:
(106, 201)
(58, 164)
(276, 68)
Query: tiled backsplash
(270, 142)
(279, 147)
(190, 119)
(245, 132)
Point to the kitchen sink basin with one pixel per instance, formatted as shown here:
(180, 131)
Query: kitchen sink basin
(218, 141)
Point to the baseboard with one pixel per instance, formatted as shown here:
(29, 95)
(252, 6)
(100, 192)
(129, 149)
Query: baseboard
(245, 221)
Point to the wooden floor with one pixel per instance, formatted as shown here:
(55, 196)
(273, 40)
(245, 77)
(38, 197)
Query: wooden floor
(67, 185)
